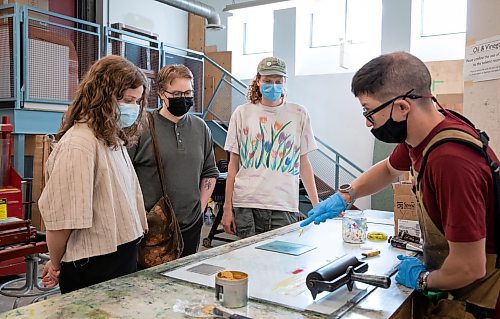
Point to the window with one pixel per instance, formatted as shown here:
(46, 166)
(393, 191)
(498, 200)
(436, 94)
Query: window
(438, 29)
(258, 36)
(440, 17)
(250, 37)
(337, 21)
(335, 36)
(328, 24)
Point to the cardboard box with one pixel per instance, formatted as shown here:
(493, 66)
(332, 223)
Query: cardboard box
(405, 208)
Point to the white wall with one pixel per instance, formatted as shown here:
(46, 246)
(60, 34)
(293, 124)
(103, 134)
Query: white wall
(169, 23)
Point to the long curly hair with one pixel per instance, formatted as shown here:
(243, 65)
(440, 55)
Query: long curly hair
(97, 96)
(253, 94)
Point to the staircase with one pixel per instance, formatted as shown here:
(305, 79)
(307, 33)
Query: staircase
(219, 132)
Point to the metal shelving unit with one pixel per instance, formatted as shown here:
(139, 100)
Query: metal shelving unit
(43, 56)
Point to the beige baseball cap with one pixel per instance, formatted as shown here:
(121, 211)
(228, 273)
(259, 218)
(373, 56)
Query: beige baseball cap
(272, 66)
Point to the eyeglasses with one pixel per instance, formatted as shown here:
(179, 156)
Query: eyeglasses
(369, 114)
(175, 94)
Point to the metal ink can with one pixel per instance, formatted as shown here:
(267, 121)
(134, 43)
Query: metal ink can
(354, 227)
(231, 288)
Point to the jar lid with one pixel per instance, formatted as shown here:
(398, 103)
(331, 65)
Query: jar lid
(354, 213)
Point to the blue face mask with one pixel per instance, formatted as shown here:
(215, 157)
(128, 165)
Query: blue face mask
(271, 92)
(128, 114)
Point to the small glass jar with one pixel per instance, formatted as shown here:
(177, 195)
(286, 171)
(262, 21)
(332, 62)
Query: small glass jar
(354, 228)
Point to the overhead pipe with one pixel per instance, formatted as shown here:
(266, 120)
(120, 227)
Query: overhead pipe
(198, 8)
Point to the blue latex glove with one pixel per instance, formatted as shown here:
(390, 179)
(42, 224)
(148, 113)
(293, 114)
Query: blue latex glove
(329, 208)
(409, 270)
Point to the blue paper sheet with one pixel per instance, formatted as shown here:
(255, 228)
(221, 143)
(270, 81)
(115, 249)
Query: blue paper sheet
(286, 247)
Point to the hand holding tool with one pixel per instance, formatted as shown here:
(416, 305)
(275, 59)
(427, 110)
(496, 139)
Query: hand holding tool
(409, 270)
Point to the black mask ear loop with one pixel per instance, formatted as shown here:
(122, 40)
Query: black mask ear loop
(163, 99)
(436, 101)
(392, 108)
(445, 111)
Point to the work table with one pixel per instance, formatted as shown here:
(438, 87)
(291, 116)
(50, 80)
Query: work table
(148, 294)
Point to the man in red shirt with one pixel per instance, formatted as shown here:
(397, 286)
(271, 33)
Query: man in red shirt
(456, 189)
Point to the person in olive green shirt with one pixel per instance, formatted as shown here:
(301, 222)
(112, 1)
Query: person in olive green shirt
(186, 148)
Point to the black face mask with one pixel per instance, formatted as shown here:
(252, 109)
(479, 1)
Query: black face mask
(391, 131)
(179, 106)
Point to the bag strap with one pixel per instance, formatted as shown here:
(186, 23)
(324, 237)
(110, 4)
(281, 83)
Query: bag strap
(159, 163)
(480, 145)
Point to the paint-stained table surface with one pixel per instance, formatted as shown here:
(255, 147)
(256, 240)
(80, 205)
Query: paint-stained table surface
(148, 294)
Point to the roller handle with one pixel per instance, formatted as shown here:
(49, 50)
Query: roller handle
(236, 316)
(374, 280)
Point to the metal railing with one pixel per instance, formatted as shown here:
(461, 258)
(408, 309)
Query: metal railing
(58, 51)
(344, 170)
(142, 50)
(227, 91)
(10, 53)
(43, 55)
(228, 88)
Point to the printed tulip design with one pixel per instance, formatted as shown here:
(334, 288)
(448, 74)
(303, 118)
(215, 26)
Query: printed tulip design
(271, 147)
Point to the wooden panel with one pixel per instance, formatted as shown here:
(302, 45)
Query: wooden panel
(196, 33)
(453, 102)
(447, 76)
(222, 105)
(406, 310)
(210, 48)
(29, 145)
(41, 153)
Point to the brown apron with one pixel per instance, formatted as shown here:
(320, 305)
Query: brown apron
(484, 292)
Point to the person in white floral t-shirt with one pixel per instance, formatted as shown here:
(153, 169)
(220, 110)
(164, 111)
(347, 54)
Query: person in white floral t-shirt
(268, 140)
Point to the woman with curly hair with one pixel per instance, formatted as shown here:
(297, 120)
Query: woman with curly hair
(92, 203)
(268, 140)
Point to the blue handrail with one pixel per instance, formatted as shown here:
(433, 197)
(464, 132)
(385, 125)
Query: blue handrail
(331, 149)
